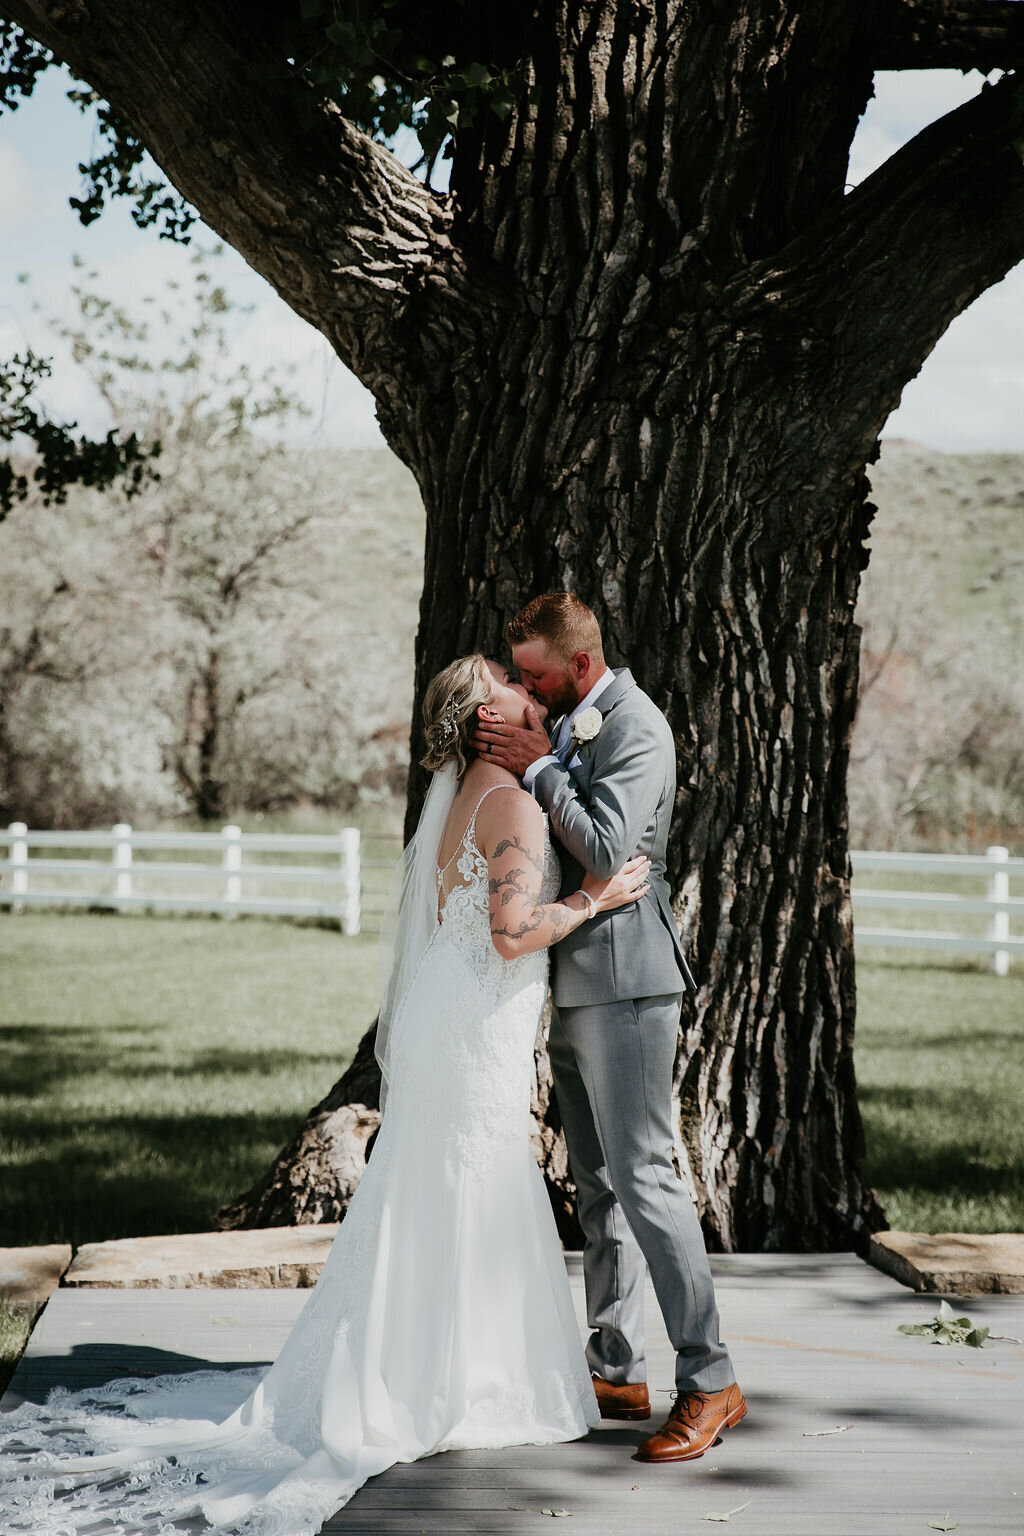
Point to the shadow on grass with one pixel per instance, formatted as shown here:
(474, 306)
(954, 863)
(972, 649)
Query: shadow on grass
(156, 1141)
(85, 1179)
(875, 1037)
(940, 1141)
(38, 1058)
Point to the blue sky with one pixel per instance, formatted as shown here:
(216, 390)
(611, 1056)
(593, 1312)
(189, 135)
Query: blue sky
(969, 396)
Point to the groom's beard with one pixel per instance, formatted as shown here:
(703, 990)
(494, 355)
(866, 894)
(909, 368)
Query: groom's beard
(562, 701)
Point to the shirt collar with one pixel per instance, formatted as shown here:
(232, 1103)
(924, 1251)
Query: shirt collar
(603, 682)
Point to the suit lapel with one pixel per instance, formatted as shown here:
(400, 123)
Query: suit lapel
(624, 681)
(583, 772)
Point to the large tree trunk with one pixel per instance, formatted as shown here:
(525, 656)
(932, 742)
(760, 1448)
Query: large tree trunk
(663, 429)
(751, 650)
(643, 351)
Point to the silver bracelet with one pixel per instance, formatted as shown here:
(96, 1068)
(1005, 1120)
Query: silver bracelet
(591, 903)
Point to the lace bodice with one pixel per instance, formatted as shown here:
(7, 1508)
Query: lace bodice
(464, 906)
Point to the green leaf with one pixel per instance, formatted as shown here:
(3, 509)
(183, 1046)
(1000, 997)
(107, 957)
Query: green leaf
(477, 74)
(946, 1329)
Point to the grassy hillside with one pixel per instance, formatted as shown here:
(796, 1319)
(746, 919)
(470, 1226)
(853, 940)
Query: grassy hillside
(955, 522)
(938, 753)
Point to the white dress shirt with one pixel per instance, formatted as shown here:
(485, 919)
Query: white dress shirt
(604, 681)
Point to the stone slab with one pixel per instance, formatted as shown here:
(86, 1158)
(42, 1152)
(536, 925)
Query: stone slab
(267, 1258)
(954, 1263)
(29, 1275)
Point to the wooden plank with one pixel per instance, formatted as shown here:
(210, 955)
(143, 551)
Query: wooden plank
(816, 1344)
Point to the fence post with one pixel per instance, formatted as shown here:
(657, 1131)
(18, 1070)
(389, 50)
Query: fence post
(19, 858)
(231, 860)
(999, 924)
(351, 880)
(122, 859)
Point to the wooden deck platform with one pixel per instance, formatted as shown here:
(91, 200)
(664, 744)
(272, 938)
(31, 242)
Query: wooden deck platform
(854, 1429)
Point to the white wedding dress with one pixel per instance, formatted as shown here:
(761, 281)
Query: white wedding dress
(442, 1319)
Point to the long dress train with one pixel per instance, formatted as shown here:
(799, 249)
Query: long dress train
(442, 1318)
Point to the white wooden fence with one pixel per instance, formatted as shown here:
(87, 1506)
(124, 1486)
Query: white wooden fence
(348, 886)
(997, 904)
(221, 882)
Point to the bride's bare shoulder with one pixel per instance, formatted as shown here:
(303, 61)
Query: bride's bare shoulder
(514, 812)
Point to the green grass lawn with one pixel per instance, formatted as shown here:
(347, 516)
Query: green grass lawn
(153, 1066)
(940, 1071)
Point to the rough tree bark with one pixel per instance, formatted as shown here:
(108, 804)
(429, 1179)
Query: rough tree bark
(643, 351)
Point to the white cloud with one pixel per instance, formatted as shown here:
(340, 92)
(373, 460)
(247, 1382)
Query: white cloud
(904, 102)
(19, 204)
(969, 396)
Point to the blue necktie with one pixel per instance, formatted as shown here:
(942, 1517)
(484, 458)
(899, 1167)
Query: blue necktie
(565, 751)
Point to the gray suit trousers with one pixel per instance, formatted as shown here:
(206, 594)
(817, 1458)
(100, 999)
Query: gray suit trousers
(612, 1069)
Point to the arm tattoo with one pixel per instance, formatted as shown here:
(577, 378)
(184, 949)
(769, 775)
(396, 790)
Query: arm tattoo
(562, 919)
(526, 926)
(536, 859)
(516, 885)
(511, 885)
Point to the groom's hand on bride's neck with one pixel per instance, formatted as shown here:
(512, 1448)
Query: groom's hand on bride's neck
(512, 746)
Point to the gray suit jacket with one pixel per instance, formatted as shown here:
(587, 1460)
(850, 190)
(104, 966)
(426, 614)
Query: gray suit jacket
(614, 800)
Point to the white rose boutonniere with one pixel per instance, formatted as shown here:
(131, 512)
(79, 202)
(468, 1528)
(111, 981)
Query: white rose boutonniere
(586, 726)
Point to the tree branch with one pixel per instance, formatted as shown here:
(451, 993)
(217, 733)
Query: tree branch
(953, 34)
(859, 301)
(331, 219)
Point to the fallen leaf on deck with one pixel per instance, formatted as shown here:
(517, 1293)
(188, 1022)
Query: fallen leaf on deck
(812, 1434)
(726, 1514)
(558, 1514)
(946, 1328)
(945, 1524)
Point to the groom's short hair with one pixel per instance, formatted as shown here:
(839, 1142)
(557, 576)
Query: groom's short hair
(559, 618)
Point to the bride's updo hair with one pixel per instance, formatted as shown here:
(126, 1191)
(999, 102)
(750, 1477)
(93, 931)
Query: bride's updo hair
(449, 712)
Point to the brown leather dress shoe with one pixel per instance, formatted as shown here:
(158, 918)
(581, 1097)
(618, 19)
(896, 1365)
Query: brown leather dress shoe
(629, 1401)
(696, 1421)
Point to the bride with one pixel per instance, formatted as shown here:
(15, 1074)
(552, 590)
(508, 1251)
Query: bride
(442, 1318)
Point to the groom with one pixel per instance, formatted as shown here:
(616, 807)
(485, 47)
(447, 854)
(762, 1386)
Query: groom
(607, 781)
